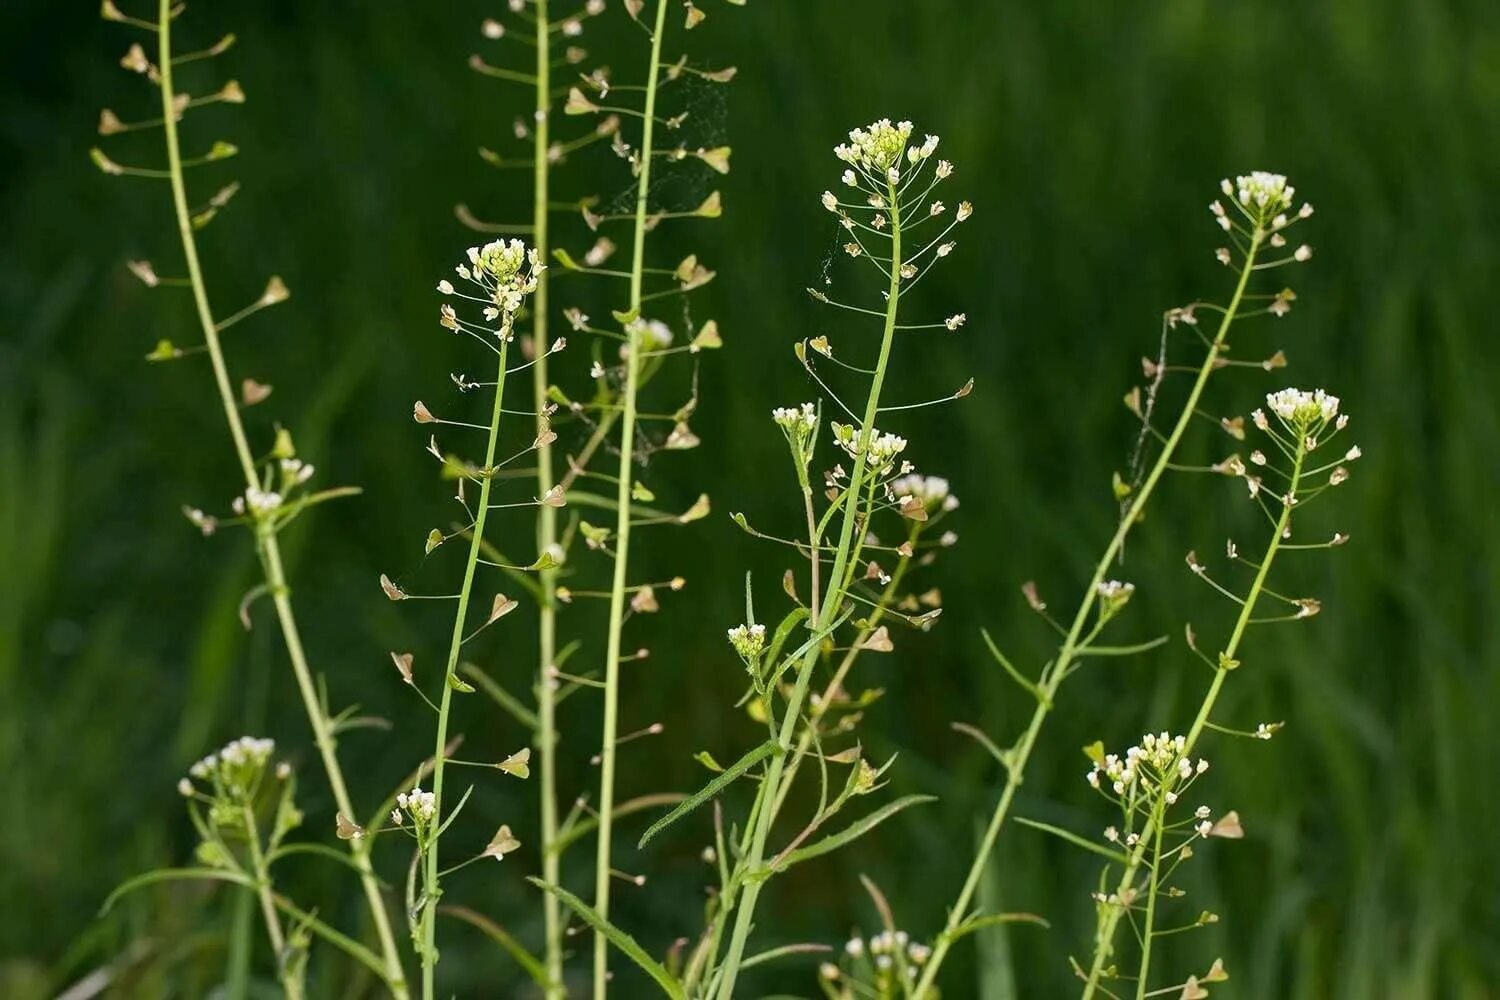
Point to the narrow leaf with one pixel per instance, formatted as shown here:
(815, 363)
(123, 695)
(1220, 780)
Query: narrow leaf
(1075, 839)
(502, 937)
(173, 875)
(855, 830)
(627, 944)
(708, 791)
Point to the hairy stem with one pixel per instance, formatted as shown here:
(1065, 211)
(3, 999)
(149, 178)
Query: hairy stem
(266, 544)
(1109, 915)
(770, 788)
(620, 581)
(1053, 678)
(546, 527)
(432, 889)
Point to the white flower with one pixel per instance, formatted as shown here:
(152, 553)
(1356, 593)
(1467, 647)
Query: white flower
(965, 209)
(1297, 407)
(944, 169)
(850, 178)
(260, 502)
(802, 418)
(1304, 252)
(854, 947)
(830, 202)
(937, 208)
(1262, 191)
(419, 805)
(932, 491)
(956, 320)
(1203, 828)
(945, 249)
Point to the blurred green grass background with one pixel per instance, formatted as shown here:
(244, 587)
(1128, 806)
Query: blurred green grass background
(1091, 138)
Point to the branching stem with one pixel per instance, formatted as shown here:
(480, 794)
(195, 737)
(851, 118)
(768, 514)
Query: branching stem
(266, 544)
(1071, 644)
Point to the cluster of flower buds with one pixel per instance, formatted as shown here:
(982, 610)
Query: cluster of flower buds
(1262, 200)
(506, 272)
(1158, 761)
(417, 806)
(884, 965)
(1304, 422)
(234, 772)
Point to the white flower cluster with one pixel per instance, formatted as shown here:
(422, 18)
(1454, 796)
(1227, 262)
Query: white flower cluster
(881, 452)
(879, 147)
(295, 472)
(235, 768)
(885, 946)
(419, 805)
(257, 501)
(1298, 408)
(506, 270)
(796, 419)
(1260, 190)
(748, 640)
(931, 491)
(1114, 595)
(1158, 758)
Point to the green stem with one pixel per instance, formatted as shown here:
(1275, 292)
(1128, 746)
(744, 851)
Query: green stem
(1109, 917)
(431, 881)
(290, 983)
(269, 550)
(1149, 925)
(622, 521)
(546, 692)
(1053, 679)
(770, 789)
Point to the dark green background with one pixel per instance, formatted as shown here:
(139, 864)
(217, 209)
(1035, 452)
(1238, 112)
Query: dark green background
(1091, 138)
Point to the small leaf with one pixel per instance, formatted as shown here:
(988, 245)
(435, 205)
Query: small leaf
(460, 685)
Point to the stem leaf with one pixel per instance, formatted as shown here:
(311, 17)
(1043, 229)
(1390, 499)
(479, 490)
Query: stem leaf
(627, 944)
(708, 791)
(854, 831)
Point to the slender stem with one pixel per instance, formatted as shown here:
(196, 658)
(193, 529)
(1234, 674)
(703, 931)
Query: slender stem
(1053, 679)
(291, 984)
(1149, 925)
(270, 551)
(602, 876)
(1109, 917)
(431, 881)
(770, 789)
(546, 690)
